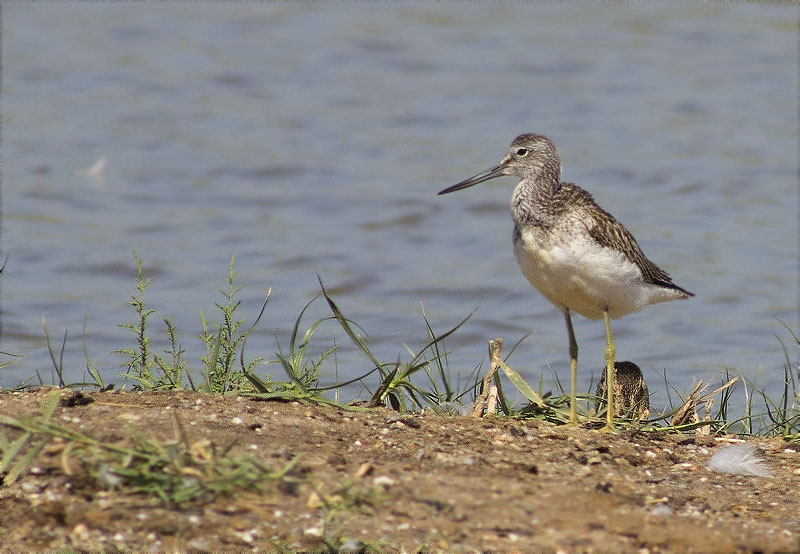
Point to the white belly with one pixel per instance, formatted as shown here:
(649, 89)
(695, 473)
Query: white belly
(579, 275)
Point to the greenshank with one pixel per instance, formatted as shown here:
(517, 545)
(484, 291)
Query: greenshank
(576, 254)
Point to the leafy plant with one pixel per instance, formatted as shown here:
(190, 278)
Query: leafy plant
(223, 341)
(139, 363)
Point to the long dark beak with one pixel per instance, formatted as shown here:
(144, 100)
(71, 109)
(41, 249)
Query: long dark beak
(496, 171)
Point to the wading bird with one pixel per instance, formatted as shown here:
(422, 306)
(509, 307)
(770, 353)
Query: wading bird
(575, 253)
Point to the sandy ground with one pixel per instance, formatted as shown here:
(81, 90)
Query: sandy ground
(402, 483)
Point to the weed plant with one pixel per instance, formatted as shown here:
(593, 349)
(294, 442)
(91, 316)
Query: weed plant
(139, 362)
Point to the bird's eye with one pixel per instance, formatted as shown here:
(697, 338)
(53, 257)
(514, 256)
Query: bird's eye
(522, 151)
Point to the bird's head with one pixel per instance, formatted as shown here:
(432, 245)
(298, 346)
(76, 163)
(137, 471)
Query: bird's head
(528, 156)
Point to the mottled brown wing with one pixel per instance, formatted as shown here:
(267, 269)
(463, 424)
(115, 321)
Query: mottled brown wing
(609, 232)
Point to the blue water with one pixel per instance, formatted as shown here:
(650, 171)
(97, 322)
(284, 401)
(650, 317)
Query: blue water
(309, 139)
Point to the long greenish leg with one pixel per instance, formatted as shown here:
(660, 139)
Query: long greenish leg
(611, 352)
(573, 368)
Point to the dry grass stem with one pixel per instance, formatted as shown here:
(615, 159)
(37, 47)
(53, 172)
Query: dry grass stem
(488, 396)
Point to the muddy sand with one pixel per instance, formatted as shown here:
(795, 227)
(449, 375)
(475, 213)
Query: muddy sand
(378, 480)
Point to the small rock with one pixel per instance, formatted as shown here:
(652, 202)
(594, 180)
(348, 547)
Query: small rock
(248, 536)
(314, 531)
(661, 510)
(79, 533)
(384, 481)
(603, 487)
(30, 488)
(516, 431)
(352, 546)
(199, 545)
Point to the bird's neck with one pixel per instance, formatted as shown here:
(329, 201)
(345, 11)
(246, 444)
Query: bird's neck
(532, 201)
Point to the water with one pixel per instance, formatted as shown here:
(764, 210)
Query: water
(311, 139)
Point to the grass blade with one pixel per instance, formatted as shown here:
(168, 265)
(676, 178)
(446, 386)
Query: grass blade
(345, 324)
(523, 387)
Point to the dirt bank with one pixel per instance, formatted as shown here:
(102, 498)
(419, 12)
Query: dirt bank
(393, 482)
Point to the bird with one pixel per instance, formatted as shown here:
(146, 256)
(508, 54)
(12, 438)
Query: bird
(576, 254)
(631, 396)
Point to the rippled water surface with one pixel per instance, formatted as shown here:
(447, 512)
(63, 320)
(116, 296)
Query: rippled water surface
(311, 139)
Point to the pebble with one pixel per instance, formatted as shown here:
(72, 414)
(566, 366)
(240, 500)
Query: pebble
(383, 480)
(248, 536)
(79, 533)
(315, 531)
(661, 510)
(352, 546)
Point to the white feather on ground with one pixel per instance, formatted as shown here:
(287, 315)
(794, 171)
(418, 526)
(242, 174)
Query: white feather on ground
(738, 459)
